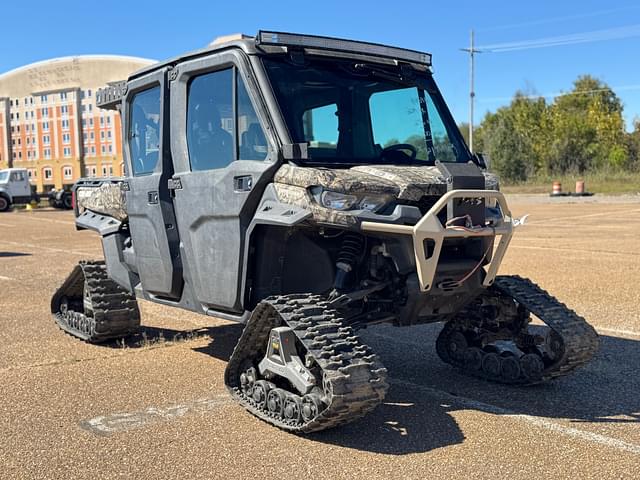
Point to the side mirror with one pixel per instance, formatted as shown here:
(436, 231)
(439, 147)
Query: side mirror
(482, 160)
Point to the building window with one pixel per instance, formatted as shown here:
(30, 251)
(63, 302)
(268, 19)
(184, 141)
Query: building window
(65, 124)
(66, 138)
(47, 153)
(47, 173)
(45, 126)
(64, 109)
(63, 95)
(91, 122)
(45, 112)
(90, 107)
(66, 151)
(19, 155)
(67, 172)
(92, 135)
(102, 121)
(32, 173)
(43, 99)
(102, 135)
(93, 150)
(17, 115)
(84, 137)
(103, 149)
(108, 120)
(84, 122)
(46, 140)
(89, 92)
(110, 149)
(109, 134)
(90, 171)
(26, 100)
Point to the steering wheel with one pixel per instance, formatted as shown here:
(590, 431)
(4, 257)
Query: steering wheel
(401, 146)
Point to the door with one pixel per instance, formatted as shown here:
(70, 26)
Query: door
(19, 184)
(223, 160)
(148, 168)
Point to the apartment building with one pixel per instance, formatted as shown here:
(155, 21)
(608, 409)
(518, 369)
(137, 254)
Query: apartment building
(49, 122)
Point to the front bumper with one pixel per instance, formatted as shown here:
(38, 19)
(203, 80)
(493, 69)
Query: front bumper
(429, 227)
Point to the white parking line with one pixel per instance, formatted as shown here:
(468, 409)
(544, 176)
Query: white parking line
(621, 212)
(577, 250)
(8, 225)
(538, 421)
(118, 422)
(618, 331)
(38, 218)
(48, 249)
(9, 279)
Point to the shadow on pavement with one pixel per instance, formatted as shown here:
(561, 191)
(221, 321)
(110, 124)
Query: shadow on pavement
(14, 254)
(416, 415)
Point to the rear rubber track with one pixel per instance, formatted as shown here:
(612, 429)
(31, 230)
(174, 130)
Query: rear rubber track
(579, 339)
(353, 379)
(113, 311)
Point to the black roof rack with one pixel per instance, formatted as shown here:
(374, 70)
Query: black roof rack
(110, 97)
(315, 42)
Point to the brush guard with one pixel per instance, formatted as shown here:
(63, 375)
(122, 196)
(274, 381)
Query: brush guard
(429, 233)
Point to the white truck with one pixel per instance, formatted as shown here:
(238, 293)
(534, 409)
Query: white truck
(16, 190)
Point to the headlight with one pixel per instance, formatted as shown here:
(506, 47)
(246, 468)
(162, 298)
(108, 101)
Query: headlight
(344, 201)
(337, 201)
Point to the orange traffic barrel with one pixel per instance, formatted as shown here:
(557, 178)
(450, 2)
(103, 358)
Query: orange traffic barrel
(580, 187)
(557, 188)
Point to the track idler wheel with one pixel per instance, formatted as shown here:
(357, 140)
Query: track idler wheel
(457, 345)
(473, 358)
(293, 408)
(275, 401)
(311, 406)
(260, 392)
(491, 364)
(532, 366)
(510, 368)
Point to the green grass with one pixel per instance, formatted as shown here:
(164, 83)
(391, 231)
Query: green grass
(618, 183)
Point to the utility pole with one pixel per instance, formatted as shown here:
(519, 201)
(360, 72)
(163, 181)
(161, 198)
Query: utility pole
(472, 94)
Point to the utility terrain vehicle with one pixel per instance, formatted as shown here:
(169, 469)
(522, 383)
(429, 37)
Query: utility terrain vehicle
(308, 187)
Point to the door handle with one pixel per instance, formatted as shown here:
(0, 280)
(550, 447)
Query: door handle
(243, 183)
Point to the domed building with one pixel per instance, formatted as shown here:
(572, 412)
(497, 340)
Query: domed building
(49, 122)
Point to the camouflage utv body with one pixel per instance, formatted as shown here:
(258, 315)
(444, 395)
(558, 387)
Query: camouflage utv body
(308, 187)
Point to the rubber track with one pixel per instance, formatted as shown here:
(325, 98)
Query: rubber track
(115, 310)
(580, 340)
(357, 378)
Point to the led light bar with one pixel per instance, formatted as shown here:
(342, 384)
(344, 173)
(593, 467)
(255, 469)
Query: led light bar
(337, 44)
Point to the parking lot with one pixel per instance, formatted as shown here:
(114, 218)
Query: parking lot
(156, 406)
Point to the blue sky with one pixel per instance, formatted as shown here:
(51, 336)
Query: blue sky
(35, 32)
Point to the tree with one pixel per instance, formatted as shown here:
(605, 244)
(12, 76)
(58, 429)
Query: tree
(580, 131)
(588, 129)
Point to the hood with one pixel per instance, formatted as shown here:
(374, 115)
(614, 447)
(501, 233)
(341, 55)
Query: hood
(403, 182)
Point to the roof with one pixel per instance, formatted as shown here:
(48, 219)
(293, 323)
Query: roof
(311, 43)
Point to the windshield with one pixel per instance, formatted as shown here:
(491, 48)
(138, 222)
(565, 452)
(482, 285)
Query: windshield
(355, 113)
(4, 176)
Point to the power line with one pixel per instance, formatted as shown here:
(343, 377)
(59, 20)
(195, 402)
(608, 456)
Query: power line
(546, 21)
(583, 37)
(562, 94)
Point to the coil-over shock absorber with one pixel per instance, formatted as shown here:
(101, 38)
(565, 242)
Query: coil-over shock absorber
(350, 251)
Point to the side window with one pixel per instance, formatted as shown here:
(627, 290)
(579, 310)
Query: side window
(320, 127)
(17, 176)
(252, 142)
(210, 123)
(144, 131)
